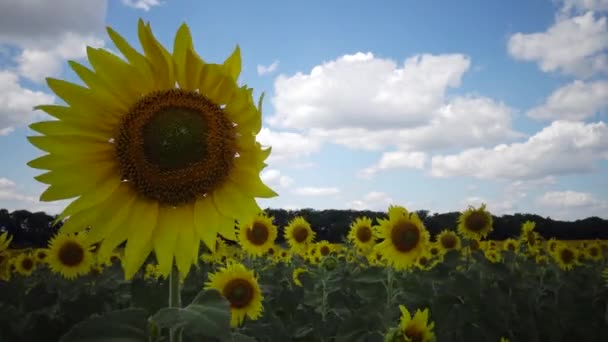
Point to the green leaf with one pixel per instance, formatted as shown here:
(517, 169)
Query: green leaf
(129, 325)
(208, 315)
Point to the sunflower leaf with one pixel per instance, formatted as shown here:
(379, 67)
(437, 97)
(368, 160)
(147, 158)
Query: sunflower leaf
(127, 325)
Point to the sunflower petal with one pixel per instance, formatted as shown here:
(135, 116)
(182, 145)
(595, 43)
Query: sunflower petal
(140, 226)
(232, 65)
(116, 210)
(231, 202)
(56, 127)
(160, 60)
(194, 65)
(92, 197)
(181, 46)
(184, 253)
(70, 145)
(249, 182)
(125, 80)
(77, 96)
(165, 237)
(135, 58)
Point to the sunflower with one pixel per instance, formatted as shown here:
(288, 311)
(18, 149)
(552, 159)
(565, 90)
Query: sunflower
(257, 235)
(511, 245)
(295, 275)
(41, 254)
(158, 149)
(361, 234)
(475, 223)
(405, 237)
(594, 251)
(417, 328)
(240, 287)
(5, 241)
(565, 256)
(69, 255)
(530, 237)
(324, 248)
(25, 264)
(299, 234)
(448, 240)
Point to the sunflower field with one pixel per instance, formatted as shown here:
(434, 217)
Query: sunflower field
(388, 281)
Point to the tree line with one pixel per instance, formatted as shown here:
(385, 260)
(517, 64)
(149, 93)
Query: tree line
(34, 229)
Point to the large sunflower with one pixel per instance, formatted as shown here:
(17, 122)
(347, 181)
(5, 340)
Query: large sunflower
(240, 287)
(405, 237)
(299, 234)
(69, 255)
(361, 233)
(416, 328)
(257, 236)
(159, 150)
(475, 223)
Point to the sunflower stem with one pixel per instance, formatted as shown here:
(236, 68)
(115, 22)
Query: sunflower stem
(175, 334)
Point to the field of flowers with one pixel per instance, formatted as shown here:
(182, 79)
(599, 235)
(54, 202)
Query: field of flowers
(388, 281)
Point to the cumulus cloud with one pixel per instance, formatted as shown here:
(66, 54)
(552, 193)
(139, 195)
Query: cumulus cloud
(13, 197)
(575, 101)
(288, 145)
(396, 160)
(571, 205)
(573, 45)
(263, 70)
(273, 178)
(363, 91)
(316, 191)
(541, 155)
(16, 102)
(375, 200)
(145, 5)
(584, 5)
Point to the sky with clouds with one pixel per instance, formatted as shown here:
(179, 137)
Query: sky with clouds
(432, 105)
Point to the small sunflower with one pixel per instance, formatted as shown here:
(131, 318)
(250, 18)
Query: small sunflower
(41, 254)
(448, 240)
(405, 237)
(25, 264)
(324, 248)
(299, 234)
(240, 287)
(417, 328)
(565, 256)
(511, 245)
(295, 275)
(257, 236)
(594, 251)
(69, 255)
(361, 233)
(475, 223)
(5, 241)
(158, 149)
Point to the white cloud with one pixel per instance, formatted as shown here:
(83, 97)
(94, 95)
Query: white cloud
(585, 5)
(145, 5)
(316, 191)
(288, 145)
(263, 70)
(575, 101)
(362, 91)
(564, 147)
(16, 102)
(273, 178)
(396, 160)
(570, 205)
(575, 46)
(13, 197)
(375, 200)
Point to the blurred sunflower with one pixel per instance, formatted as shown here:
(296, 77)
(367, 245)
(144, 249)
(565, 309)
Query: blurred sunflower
(565, 256)
(405, 237)
(240, 287)
(594, 251)
(5, 241)
(530, 237)
(324, 248)
(475, 223)
(159, 150)
(361, 234)
(257, 235)
(298, 234)
(417, 328)
(448, 240)
(295, 275)
(511, 245)
(25, 264)
(41, 254)
(69, 255)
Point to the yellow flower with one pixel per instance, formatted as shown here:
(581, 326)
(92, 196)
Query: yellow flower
(240, 287)
(405, 237)
(158, 150)
(298, 234)
(594, 251)
(324, 248)
(257, 235)
(361, 234)
(475, 223)
(295, 275)
(69, 255)
(41, 254)
(448, 240)
(25, 264)
(5, 241)
(417, 328)
(511, 245)
(492, 255)
(565, 256)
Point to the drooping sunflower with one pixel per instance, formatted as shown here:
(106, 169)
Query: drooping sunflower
(295, 275)
(417, 328)
(448, 240)
(257, 235)
(69, 255)
(565, 256)
(361, 234)
(240, 287)
(25, 264)
(158, 149)
(475, 223)
(405, 237)
(299, 234)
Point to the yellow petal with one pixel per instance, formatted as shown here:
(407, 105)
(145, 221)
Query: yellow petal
(231, 202)
(140, 227)
(105, 107)
(116, 210)
(71, 145)
(181, 45)
(160, 59)
(51, 162)
(232, 65)
(79, 221)
(207, 221)
(194, 65)
(165, 237)
(135, 58)
(83, 118)
(184, 252)
(96, 84)
(91, 197)
(57, 127)
(249, 182)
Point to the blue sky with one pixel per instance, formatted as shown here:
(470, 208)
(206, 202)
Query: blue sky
(429, 104)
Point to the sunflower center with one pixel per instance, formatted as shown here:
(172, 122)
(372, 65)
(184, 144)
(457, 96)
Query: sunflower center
(423, 261)
(71, 254)
(511, 247)
(300, 234)
(258, 233)
(405, 236)
(434, 250)
(448, 241)
(474, 244)
(41, 255)
(477, 221)
(239, 292)
(531, 237)
(27, 264)
(175, 146)
(594, 251)
(324, 250)
(567, 256)
(414, 334)
(364, 234)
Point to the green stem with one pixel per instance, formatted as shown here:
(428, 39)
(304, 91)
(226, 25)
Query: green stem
(175, 335)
